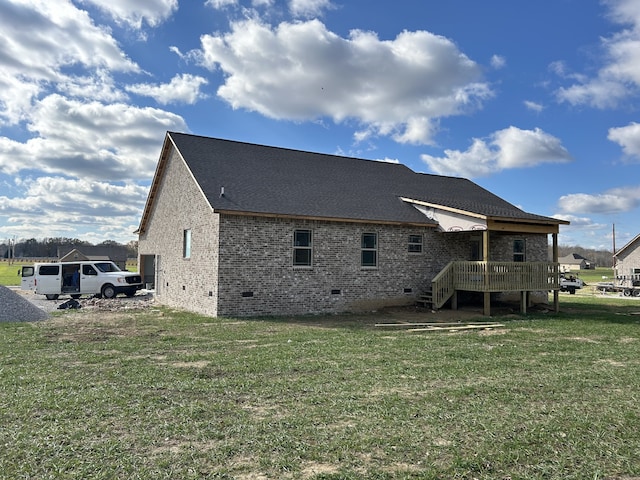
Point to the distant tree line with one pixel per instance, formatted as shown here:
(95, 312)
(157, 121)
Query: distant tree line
(601, 258)
(48, 247)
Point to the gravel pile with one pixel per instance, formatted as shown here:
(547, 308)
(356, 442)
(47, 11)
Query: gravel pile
(14, 308)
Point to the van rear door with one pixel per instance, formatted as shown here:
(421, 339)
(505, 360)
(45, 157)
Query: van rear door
(28, 277)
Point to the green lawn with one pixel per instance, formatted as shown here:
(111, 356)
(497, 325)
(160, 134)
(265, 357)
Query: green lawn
(9, 272)
(168, 395)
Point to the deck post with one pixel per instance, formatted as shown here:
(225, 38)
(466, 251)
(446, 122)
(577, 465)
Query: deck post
(487, 304)
(556, 296)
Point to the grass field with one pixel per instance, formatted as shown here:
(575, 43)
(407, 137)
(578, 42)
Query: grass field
(168, 395)
(9, 273)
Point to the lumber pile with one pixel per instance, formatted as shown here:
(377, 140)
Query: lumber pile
(440, 326)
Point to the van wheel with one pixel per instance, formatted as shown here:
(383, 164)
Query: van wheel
(108, 291)
(52, 296)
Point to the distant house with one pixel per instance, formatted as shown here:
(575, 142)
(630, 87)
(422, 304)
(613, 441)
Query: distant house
(237, 229)
(574, 262)
(115, 253)
(627, 260)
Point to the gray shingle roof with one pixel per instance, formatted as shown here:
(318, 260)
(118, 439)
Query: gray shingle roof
(270, 180)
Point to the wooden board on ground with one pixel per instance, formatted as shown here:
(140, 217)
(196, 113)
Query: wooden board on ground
(441, 326)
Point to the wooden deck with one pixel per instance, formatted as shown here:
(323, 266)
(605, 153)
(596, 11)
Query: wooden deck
(490, 277)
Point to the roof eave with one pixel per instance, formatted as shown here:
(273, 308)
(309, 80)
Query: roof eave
(325, 219)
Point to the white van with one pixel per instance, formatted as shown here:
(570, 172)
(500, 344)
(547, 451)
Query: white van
(79, 278)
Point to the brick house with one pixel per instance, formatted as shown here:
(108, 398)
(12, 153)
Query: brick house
(238, 229)
(627, 261)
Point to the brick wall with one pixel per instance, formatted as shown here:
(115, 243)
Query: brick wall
(258, 276)
(501, 247)
(189, 283)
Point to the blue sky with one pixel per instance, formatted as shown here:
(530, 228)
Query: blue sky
(534, 101)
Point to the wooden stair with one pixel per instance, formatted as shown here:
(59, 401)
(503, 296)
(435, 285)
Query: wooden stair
(425, 299)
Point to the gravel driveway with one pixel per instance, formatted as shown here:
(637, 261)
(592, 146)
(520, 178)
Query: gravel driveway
(142, 299)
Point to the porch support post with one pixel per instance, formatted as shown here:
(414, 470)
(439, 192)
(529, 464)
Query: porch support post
(556, 292)
(485, 258)
(485, 245)
(487, 304)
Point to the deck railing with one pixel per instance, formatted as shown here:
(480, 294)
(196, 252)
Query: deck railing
(494, 277)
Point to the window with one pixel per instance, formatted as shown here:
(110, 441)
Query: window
(107, 267)
(415, 243)
(518, 250)
(49, 270)
(88, 270)
(186, 244)
(302, 248)
(369, 257)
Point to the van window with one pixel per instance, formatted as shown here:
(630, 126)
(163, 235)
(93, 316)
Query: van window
(49, 269)
(88, 270)
(107, 267)
(28, 271)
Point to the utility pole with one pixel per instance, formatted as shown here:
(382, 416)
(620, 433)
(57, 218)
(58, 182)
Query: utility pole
(12, 250)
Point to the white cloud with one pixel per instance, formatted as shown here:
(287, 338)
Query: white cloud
(628, 138)
(617, 200)
(183, 88)
(302, 71)
(219, 4)
(498, 62)
(56, 206)
(533, 106)
(154, 12)
(505, 149)
(309, 8)
(528, 148)
(66, 40)
(619, 77)
(576, 221)
(90, 140)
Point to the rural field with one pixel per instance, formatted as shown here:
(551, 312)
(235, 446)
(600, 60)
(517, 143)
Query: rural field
(162, 394)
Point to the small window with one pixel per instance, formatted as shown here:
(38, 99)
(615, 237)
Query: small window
(518, 251)
(369, 257)
(49, 270)
(415, 243)
(186, 244)
(302, 248)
